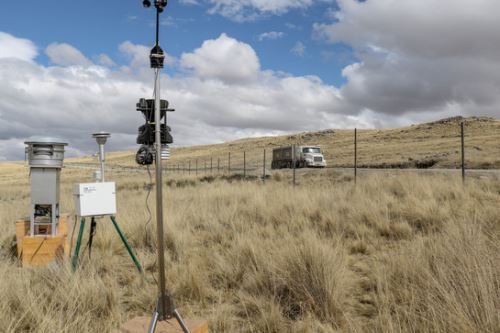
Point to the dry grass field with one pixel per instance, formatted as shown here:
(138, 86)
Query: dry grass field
(435, 145)
(393, 253)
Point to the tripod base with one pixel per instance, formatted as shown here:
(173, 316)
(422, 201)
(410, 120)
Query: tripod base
(74, 260)
(141, 325)
(170, 313)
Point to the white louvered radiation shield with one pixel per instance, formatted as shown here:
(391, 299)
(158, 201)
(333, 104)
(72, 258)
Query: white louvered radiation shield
(165, 152)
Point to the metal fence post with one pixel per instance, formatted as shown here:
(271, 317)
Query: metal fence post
(463, 150)
(218, 164)
(211, 160)
(355, 155)
(264, 166)
(244, 164)
(205, 168)
(229, 162)
(196, 169)
(293, 163)
(189, 167)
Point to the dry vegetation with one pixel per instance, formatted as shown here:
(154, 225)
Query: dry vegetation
(435, 145)
(405, 253)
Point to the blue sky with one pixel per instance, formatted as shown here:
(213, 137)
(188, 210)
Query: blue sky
(242, 68)
(96, 27)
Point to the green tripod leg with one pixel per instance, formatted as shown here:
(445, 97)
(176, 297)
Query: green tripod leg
(127, 245)
(74, 261)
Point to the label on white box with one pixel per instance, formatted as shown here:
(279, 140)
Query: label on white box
(95, 199)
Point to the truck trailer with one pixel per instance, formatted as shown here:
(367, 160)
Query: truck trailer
(305, 157)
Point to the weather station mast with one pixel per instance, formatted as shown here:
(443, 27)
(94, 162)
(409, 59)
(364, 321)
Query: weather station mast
(155, 148)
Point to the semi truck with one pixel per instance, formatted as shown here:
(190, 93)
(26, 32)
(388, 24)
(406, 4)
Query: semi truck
(305, 157)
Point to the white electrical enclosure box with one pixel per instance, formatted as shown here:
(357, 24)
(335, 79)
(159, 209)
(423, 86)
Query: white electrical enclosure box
(95, 199)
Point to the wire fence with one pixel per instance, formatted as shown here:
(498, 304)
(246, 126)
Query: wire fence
(361, 150)
(257, 162)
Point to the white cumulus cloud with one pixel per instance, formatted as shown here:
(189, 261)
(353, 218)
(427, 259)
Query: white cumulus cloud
(66, 55)
(223, 58)
(18, 48)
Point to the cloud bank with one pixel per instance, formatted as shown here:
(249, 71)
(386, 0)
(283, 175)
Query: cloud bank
(250, 10)
(222, 94)
(417, 61)
(419, 56)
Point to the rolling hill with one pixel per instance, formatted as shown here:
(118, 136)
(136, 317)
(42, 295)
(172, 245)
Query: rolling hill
(434, 144)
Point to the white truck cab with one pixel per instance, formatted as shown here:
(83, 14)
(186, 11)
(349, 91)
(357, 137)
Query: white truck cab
(312, 156)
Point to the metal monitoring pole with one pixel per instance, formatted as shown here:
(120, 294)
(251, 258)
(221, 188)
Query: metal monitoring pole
(463, 150)
(165, 308)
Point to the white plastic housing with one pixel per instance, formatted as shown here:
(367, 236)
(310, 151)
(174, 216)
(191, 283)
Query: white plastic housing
(95, 199)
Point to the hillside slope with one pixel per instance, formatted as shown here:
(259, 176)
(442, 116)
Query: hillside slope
(435, 144)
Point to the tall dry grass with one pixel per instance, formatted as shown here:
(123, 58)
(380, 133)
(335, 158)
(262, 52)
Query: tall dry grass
(405, 253)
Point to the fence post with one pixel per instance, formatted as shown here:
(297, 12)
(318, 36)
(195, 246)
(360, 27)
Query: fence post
(196, 169)
(229, 162)
(293, 163)
(463, 150)
(264, 166)
(218, 164)
(189, 167)
(244, 164)
(355, 155)
(205, 169)
(211, 159)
